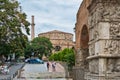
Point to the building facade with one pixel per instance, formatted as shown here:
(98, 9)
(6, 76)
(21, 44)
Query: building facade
(98, 40)
(59, 39)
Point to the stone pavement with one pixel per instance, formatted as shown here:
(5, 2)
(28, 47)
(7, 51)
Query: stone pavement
(13, 70)
(58, 74)
(58, 68)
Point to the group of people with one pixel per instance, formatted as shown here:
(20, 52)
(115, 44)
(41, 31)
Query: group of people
(51, 64)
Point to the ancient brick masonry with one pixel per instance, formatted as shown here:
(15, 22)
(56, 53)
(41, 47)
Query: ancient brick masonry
(102, 20)
(59, 38)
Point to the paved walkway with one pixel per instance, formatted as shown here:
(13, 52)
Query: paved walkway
(46, 75)
(58, 68)
(58, 74)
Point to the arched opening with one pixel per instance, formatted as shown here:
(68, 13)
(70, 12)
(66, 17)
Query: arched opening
(57, 48)
(84, 39)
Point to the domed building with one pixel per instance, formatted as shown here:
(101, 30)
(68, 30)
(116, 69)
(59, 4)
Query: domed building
(59, 39)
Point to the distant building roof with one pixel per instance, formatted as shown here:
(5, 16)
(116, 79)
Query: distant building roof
(55, 31)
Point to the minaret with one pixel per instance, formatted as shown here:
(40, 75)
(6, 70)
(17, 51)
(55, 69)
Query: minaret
(32, 28)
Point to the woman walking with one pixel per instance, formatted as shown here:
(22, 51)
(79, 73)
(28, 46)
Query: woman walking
(53, 66)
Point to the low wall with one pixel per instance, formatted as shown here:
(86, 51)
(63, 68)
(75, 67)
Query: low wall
(78, 73)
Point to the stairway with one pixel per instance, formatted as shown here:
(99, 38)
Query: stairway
(45, 75)
(58, 74)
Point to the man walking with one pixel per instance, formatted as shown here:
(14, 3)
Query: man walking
(48, 65)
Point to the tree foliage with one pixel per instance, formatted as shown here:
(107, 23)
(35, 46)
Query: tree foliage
(40, 46)
(12, 23)
(67, 55)
(28, 50)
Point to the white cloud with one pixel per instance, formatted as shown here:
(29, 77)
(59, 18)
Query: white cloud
(52, 14)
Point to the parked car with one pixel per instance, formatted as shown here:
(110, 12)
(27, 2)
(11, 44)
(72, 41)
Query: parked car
(35, 61)
(26, 60)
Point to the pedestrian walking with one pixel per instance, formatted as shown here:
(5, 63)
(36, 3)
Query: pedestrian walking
(48, 65)
(53, 66)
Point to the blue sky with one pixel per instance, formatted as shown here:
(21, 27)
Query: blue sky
(51, 14)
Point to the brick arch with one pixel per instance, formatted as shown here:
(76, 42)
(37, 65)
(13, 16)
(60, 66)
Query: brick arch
(84, 37)
(84, 47)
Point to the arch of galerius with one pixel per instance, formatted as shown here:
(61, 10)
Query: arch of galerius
(98, 40)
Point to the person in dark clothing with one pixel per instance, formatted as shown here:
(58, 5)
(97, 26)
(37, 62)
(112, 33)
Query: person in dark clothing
(48, 65)
(53, 66)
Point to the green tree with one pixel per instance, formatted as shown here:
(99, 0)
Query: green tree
(66, 55)
(12, 23)
(69, 58)
(28, 50)
(41, 46)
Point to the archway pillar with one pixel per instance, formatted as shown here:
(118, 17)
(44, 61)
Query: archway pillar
(104, 41)
(102, 68)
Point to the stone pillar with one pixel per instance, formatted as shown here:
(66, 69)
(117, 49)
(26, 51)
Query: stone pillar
(104, 46)
(32, 29)
(102, 68)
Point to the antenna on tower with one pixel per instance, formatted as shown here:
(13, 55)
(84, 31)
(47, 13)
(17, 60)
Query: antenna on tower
(32, 28)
